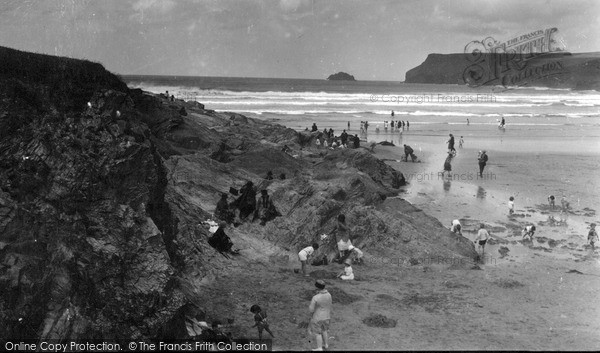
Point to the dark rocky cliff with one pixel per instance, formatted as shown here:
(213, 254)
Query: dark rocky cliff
(100, 204)
(555, 70)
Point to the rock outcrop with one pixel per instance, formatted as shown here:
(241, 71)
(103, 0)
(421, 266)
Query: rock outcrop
(341, 76)
(102, 191)
(554, 70)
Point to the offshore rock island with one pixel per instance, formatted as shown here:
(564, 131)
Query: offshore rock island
(553, 70)
(103, 190)
(341, 76)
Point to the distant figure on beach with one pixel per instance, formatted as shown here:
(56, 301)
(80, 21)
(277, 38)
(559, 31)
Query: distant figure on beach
(564, 204)
(392, 124)
(407, 124)
(331, 132)
(592, 235)
(305, 254)
(503, 122)
(314, 127)
(320, 308)
(408, 151)
(482, 237)
(366, 126)
(403, 124)
(325, 132)
(450, 143)
(260, 321)
(551, 201)
(448, 165)
(483, 158)
(269, 175)
(455, 227)
(528, 231)
(392, 114)
(460, 142)
(318, 142)
(468, 122)
(348, 126)
(347, 274)
(511, 205)
(377, 129)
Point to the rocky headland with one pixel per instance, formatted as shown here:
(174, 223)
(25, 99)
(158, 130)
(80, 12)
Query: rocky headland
(554, 70)
(103, 190)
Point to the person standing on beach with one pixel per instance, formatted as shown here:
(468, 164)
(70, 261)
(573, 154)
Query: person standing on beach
(407, 124)
(460, 142)
(592, 235)
(348, 126)
(468, 122)
(448, 165)
(320, 310)
(511, 205)
(483, 158)
(564, 204)
(451, 143)
(482, 237)
(314, 127)
(260, 321)
(551, 201)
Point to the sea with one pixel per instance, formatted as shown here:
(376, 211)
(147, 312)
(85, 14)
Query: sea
(562, 115)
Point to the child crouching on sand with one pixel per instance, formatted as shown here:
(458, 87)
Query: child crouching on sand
(260, 318)
(347, 274)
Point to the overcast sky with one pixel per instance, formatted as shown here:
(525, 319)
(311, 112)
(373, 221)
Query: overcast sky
(373, 40)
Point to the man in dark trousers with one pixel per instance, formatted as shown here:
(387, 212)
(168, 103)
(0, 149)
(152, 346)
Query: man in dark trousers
(483, 158)
(451, 143)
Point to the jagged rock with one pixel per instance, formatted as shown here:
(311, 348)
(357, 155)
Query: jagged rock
(100, 207)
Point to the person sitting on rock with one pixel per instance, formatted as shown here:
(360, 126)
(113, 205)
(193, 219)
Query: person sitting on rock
(222, 212)
(356, 141)
(246, 203)
(355, 254)
(219, 240)
(347, 274)
(343, 234)
(265, 209)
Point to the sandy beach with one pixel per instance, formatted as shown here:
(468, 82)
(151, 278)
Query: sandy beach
(533, 295)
